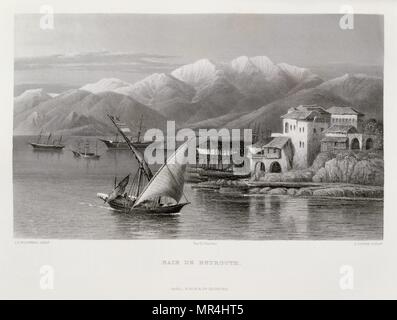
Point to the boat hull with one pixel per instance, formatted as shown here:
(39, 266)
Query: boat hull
(119, 204)
(113, 145)
(45, 147)
(218, 174)
(176, 208)
(88, 156)
(126, 205)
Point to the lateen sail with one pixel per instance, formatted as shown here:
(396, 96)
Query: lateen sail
(168, 180)
(119, 189)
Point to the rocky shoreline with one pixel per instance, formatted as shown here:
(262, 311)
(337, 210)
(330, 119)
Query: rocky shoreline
(333, 190)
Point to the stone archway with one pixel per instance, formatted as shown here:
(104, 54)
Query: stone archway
(259, 170)
(275, 167)
(355, 144)
(369, 144)
(260, 167)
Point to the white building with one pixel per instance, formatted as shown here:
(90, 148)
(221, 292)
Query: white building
(307, 131)
(347, 116)
(275, 156)
(305, 125)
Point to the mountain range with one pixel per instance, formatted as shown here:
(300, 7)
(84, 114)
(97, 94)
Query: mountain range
(243, 93)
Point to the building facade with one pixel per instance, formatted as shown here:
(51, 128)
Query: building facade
(340, 137)
(276, 156)
(307, 131)
(305, 125)
(347, 116)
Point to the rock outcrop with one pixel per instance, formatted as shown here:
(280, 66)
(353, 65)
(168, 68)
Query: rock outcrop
(290, 176)
(358, 168)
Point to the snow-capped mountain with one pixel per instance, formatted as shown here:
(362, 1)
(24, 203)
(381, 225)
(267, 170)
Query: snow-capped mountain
(159, 89)
(258, 78)
(236, 93)
(105, 85)
(199, 75)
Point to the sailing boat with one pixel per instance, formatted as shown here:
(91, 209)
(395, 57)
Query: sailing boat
(163, 191)
(118, 199)
(55, 145)
(116, 144)
(86, 154)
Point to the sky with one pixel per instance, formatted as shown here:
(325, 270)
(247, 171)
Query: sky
(84, 48)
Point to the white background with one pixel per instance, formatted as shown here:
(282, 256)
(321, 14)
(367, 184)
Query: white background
(133, 269)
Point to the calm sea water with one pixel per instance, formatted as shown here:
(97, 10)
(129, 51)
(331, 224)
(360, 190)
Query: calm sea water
(55, 197)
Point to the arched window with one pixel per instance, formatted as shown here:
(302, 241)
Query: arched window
(260, 167)
(275, 167)
(286, 127)
(355, 144)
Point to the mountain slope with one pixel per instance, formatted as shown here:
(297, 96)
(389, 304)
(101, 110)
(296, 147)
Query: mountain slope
(363, 92)
(164, 93)
(268, 116)
(239, 93)
(158, 90)
(29, 99)
(215, 94)
(84, 113)
(299, 78)
(257, 77)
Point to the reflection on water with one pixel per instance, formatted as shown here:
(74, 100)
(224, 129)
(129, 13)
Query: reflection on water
(55, 197)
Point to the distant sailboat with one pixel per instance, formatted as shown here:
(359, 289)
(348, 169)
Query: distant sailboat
(55, 145)
(116, 144)
(163, 191)
(86, 154)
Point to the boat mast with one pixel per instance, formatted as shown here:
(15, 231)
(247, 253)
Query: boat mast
(86, 146)
(38, 139)
(142, 163)
(48, 140)
(138, 186)
(140, 129)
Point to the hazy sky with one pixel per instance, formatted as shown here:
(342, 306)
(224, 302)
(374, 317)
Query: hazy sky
(131, 46)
